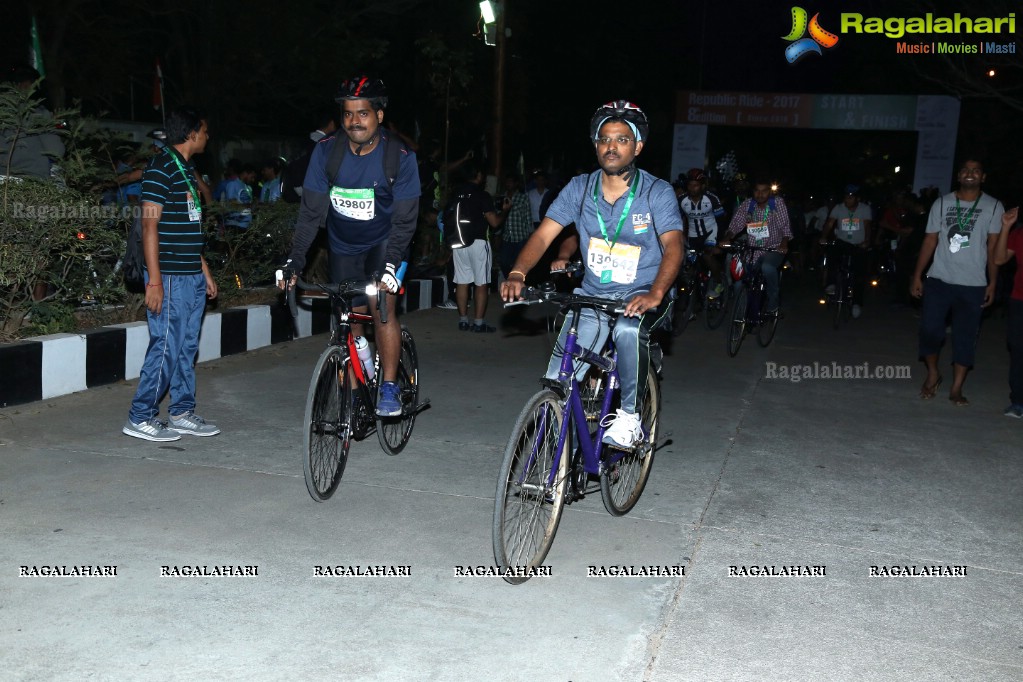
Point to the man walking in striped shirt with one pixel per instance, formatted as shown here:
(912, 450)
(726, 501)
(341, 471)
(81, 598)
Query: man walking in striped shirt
(177, 284)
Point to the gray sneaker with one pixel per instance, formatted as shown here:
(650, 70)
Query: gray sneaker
(154, 430)
(192, 424)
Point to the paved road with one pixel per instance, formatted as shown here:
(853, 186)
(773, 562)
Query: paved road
(844, 474)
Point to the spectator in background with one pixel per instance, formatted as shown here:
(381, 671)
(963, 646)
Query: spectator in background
(294, 175)
(236, 193)
(536, 196)
(271, 190)
(473, 263)
(517, 224)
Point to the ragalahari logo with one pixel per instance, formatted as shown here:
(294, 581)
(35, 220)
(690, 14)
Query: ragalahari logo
(800, 46)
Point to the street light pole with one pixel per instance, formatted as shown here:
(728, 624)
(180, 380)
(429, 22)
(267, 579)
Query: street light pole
(498, 130)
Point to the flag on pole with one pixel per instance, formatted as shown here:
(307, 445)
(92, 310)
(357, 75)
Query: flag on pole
(158, 87)
(35, 56)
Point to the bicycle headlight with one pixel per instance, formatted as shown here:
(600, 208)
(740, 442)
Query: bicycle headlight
(371, 289)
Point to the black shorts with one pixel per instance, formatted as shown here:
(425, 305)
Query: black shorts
(364, 267)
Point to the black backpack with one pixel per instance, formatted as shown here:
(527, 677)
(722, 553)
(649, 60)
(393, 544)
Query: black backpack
(391, 159)
(133, 265)
(463, 222)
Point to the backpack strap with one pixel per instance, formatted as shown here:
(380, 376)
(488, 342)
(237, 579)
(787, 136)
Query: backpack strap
(337, 155)
(391, 158)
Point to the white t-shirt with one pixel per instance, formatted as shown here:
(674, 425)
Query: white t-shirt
(535, 197)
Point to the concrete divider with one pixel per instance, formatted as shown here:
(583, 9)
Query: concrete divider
(58, 364)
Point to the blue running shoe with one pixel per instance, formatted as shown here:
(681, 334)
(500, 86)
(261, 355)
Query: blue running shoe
(389, 401)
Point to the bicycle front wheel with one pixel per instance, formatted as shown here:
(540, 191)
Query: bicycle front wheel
(328, 423)
(683, 309)
(394, 432)
(841, 300)
(737, 329)
(531, 487)
(622, 481)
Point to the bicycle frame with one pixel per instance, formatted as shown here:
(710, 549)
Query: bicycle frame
(590, 446)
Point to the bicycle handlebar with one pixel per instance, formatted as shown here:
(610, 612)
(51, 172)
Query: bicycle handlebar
(532, 296)
(345, 290)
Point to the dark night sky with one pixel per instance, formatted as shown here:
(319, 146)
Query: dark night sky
(564, 60)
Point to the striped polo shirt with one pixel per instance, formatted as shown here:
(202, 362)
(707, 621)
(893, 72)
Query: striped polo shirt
(181, 239)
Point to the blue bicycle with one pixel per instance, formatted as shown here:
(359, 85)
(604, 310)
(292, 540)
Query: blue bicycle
(556, 447)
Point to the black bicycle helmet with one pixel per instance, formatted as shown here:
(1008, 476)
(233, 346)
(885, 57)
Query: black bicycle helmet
(696, 174)
(363, 87)
(624, 111)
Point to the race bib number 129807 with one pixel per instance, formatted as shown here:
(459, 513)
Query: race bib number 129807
(356, 204)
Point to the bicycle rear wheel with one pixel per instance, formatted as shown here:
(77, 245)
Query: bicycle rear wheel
(737, 328)
(622, 482)
(528, 503)
(717, 309)
(328, 423)
(768, 326)
(394, 432)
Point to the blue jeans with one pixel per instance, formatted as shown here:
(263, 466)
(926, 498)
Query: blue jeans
(173, 344)
(770, 266)
(632, 341)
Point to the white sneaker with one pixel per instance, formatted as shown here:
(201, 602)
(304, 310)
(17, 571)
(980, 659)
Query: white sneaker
(193, 424)
(830, 290)
(448, 305)
(153, 430)
(624, 429)
(856, 310)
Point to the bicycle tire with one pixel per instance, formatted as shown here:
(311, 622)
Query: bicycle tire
(622, 483)
(766, 330)
(840, 302)
(737, 328)
(394, 432)
(680, 313)
(527, 510)
(715, 311)
(328, 423)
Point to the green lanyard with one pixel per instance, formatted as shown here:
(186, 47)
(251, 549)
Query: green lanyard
(195, 196)
(753, 207)
(621, 218)
(959, 218)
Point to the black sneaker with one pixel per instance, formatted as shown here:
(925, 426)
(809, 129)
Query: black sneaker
(463, 326)
(483, 328)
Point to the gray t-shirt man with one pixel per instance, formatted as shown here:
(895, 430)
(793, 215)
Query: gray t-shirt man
(850, 226)
(963, 229)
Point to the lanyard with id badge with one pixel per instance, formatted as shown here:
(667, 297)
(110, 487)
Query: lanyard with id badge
(962, 239)
(612, 266)
(194, 209)
(850, 224)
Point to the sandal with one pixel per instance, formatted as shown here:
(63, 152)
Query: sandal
(928, 392)
(959, 400)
